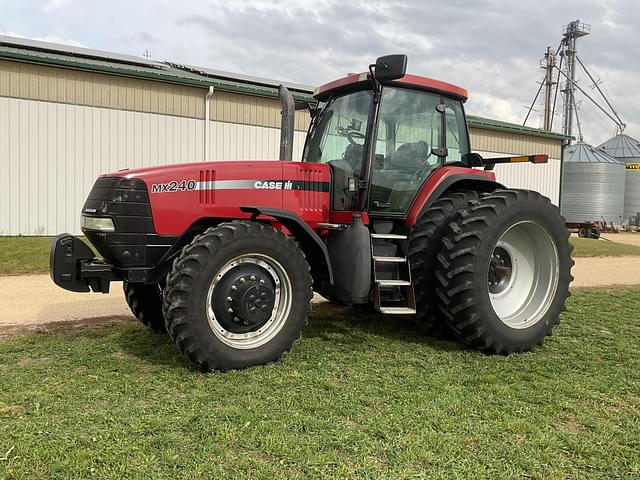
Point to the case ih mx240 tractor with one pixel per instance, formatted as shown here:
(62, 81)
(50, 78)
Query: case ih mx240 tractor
(388, 207)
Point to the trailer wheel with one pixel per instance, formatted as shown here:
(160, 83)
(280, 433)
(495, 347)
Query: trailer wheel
(145, 302)
(424, 242)
(504, 271)
(237, 296)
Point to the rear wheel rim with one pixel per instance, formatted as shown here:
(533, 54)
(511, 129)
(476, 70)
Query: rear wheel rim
(523, 274)
(264, 272)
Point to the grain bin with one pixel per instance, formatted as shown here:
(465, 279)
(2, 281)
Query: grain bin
(627, 150)
(592, 185)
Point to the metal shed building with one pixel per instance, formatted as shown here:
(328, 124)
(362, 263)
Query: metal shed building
(69, 114)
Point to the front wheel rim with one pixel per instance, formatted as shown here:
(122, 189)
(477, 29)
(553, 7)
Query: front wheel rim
(523, 274)
(264, 331)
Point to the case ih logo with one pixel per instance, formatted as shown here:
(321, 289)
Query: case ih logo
(273, 185)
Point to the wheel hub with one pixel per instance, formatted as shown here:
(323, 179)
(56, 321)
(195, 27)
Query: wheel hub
(244, 299)
(500, 270)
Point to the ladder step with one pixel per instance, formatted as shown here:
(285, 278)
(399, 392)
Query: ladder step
(389, 259)
(389, 236)
(397, 310)
(393, 283)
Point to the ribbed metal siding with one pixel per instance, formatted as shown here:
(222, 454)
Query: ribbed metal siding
(542, 178)
(592, 191)
(74, 87)
(503, 142)
(632, 191)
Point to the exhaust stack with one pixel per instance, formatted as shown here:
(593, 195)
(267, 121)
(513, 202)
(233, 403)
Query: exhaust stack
(286, 123)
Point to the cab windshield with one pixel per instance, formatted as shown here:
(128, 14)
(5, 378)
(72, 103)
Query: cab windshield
(337, 137)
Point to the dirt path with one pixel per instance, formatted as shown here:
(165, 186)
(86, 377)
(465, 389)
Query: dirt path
(33, 302)
(623, 237)
(606, 271)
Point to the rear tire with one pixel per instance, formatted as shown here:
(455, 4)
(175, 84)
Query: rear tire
(424, 245)
(504, 271)
(145, 302)
(237, 296)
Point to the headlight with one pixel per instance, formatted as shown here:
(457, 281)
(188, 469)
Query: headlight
(99, 224)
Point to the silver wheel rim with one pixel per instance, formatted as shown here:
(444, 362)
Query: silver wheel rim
(279, 313)
(523, 275)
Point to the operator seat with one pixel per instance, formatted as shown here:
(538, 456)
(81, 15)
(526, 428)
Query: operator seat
(392, 182)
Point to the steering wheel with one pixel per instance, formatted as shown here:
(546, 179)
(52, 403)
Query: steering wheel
(420, 170)
(354, 134)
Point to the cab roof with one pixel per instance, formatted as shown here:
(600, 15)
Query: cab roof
(418, 82)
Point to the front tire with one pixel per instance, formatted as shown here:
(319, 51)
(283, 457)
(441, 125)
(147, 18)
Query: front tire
(237, 296)
(145, 302)
(504, 271)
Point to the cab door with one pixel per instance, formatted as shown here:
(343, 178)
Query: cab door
(411, 124)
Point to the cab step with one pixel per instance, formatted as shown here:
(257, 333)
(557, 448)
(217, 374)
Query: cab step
(393, 290)
(393, 283)
(388, 236)
(389, 259)
(397, 310)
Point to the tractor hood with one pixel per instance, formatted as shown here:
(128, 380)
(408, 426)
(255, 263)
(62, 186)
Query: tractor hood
(183, 194)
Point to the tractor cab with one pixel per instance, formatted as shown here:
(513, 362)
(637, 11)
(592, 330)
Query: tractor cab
(383, 134)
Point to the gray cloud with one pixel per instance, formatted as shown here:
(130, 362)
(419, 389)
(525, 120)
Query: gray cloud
(491, 47)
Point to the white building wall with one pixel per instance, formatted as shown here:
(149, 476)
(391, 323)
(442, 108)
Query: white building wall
(543, 178)
(51, 153)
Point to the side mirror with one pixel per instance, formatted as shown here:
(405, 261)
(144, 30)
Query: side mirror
(390, 67)
(473, 159)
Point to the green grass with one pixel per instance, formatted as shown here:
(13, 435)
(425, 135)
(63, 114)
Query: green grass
(359, 397)
(588, 247)
(20, 255)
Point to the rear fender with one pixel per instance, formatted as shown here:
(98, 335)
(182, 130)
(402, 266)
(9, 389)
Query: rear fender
(447, 179)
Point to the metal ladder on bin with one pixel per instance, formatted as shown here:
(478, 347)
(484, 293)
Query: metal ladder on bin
(399, 286)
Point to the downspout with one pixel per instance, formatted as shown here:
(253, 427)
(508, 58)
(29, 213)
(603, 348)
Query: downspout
(206, 123)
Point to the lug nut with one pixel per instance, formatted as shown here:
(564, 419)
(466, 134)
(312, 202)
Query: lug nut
(234, 288)
(264, 295)
(252, 297)
(242, 280)
(262, 281)
(229, 299)
(253, 277)
(230, 310)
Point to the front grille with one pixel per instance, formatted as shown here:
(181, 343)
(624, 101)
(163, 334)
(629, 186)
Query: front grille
(134, 242)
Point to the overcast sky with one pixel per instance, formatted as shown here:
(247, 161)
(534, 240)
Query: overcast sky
(491, 47)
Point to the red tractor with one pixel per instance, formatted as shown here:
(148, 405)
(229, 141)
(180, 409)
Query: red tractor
(388, 207)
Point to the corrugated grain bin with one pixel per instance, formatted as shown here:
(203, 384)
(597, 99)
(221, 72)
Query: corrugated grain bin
(627, 150)
(593, 185)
